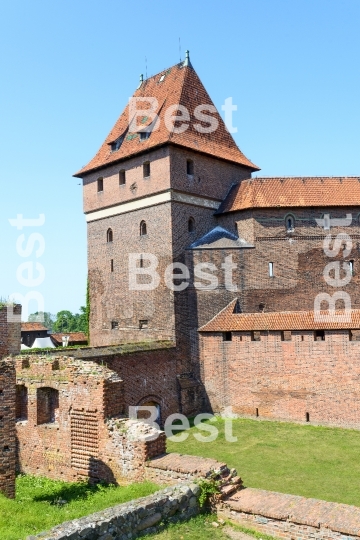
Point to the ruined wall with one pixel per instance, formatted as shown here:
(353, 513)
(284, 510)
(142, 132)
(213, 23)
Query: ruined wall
(10, 331)
(285, 380)
(7, 428)
(70, 422)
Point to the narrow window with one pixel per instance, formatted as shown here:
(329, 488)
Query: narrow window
(351, 267)
(141, 261)
(109, 235)
(289, 223)
(21, 406)
(271, 269)
(190, 167)
(122, 178)
(191, 225)
(114, 325)
(111, 265)
(256, 412)
(143, 228)
(47, 405)
(143, 323)
(255, 335)
(307, 417)
(146, 169)
(100, 184)
(227, 336)
(286, 335)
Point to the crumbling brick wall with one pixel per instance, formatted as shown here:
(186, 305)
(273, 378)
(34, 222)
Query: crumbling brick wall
(10, 330)
(7, 428)
(72, 424)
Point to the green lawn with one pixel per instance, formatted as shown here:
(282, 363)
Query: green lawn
(201, 528)
(38, 505)
(318, 462)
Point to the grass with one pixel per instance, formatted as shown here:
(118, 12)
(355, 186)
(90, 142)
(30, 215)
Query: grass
(201, 528)
(39, 503)
(311, 461)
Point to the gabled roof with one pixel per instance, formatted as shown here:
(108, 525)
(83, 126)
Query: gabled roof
(292, 192)
(33, 327)
(220, 238)
(228, 320)
(178, 85)
(74, 337)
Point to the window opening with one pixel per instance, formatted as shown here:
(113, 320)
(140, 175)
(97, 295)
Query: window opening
(271, 269)
(100, 184)
(227, 336)
(143, 323)
(319, 335)
(114, 325)
(122, 178)
(146, 169)
(190, 167)
(47, 405)
(112, 265)
(143, 228)
(109, 235)
(21, 404)
(191, 225)
(144, 135)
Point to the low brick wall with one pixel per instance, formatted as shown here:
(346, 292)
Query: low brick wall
(290, 516)
(7, 428)
(172, 468)
(129, 520)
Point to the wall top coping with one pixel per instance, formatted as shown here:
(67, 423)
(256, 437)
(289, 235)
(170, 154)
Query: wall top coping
(185, 464)
(341, 518)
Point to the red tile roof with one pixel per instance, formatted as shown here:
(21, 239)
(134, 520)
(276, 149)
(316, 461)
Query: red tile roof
(228, 321)
(32, 327)
(74, 337)
(292, 192)
(181, 85)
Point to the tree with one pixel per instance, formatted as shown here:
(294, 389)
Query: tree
(65, 322)
(44, 317)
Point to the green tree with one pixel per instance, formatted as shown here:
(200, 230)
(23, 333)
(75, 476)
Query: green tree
(65, 322)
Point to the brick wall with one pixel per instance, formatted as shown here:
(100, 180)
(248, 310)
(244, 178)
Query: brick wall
(287, 380)
(71, 422)
(10, 332)
(7, 428)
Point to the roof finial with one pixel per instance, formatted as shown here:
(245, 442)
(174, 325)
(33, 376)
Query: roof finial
(141, 80)
(187, 60)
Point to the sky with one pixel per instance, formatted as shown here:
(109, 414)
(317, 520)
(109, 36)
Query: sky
(68, 68)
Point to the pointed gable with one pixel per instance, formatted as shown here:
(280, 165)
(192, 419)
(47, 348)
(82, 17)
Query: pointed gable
(178, 85)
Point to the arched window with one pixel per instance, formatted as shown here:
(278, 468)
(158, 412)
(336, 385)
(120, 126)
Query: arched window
(191, 225)
(47, 405)
(109, 235)
(289, 222)
(189, 167)
(143, 229)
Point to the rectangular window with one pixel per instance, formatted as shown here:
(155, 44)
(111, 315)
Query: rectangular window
(319, 335)
(146, 169)
(112, 265)
(286, 335)
(144, 135)
(122, 178)
(100, 184)
(114, 325)
(271, 269)
(255, 335)
(351, 267)
(227, 336)
(143, 323)
(190, 167)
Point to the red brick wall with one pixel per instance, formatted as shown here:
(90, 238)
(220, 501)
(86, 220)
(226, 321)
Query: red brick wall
(7, 428)
(284, 379)
(86, 437)
(10, 332)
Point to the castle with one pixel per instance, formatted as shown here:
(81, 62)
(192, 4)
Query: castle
(210, 290)
(261, 302)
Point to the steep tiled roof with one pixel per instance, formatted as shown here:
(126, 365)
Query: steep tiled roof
(180, 85)
(292, 192)
(32, 327)
(228, 321)
(74, 337)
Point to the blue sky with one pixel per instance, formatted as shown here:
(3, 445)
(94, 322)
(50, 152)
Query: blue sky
(69, 67)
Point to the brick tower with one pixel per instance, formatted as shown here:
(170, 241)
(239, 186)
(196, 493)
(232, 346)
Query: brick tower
(153, 188)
